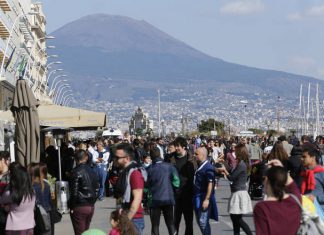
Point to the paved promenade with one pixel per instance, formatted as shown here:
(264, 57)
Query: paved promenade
(103, 209)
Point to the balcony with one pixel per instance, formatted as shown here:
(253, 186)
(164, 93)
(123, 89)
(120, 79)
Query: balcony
(5, 6)
(39, 29)
(1, 57)
(4, 32)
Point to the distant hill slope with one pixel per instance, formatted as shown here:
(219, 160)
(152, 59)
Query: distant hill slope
(123, 49)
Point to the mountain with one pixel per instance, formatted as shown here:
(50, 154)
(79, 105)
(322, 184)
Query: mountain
(124, 57)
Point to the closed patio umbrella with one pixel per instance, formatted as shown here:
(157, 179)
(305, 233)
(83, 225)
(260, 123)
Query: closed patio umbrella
(24, 109)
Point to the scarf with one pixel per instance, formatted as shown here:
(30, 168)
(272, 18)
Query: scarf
(308, 183)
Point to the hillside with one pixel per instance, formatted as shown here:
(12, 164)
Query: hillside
(128, 58)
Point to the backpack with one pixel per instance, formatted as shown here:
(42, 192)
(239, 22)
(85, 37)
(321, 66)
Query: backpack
(121, 183)
(42, 219)
(310, 224)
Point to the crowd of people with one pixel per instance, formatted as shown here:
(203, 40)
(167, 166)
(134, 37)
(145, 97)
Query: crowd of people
(173, 177)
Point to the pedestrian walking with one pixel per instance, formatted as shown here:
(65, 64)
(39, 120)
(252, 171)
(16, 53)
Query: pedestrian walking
(101, 158)
(313, 176)
(42, 192)
(204, 193)
(130, 185)
(279, 213)
(20, 200)
(84, 186)
(4, 182)
(240, 202)
(186, 165)
(162, 180)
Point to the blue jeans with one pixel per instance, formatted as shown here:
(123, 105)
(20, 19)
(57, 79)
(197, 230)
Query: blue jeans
(139, 224)
(102, 174)
(202, 217)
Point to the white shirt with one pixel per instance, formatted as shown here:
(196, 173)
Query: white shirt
(216, 152)
(95, 156)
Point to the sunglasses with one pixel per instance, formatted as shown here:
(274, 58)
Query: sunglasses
(120, 157)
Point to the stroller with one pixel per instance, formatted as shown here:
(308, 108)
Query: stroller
(256, 180)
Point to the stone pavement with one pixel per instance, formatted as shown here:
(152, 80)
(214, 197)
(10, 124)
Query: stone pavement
(100, 219)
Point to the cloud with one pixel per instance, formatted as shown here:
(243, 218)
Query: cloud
(305, 65)
(294, 17)
(310, 13)
(302, 61)
(315, 11)
(242, 7)
(320, 72)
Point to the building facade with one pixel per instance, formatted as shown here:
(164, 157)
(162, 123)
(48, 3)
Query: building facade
(22, 47)
(139, 123)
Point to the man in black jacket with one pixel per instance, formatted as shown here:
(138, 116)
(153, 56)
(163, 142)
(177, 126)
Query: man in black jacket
(84, 187)
(186, 165)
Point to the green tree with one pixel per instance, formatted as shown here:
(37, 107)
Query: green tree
(210, 125)
(271, 132)
(256, 131)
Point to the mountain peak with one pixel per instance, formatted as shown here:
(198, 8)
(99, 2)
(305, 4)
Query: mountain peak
(101, 45)
(113, 33)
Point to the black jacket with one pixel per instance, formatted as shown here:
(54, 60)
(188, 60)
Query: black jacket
(186, 167)
(295, 165)
(84, 186)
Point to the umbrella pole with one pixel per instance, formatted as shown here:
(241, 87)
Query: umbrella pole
(59, 159)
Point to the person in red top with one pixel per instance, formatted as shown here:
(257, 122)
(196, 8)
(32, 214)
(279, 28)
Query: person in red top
(313, 175)
(279, 213)
(132, 182)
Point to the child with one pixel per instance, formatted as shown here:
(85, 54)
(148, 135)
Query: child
(120, 224)
(147, 161)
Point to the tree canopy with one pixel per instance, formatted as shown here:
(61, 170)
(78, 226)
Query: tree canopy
(209, 125)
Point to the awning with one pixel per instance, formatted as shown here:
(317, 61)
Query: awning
(62, 116)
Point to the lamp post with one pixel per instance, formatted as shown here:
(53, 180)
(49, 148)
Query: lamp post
(47, 67)
(66, 98)
(52, 72)
(52, 56)
(33, 48)
(51, 89)
(68, 102)
(60, 101)
(59, 90)
(10, 36)
(55, 62)
(31, 67)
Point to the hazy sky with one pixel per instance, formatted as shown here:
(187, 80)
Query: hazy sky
(283, 35)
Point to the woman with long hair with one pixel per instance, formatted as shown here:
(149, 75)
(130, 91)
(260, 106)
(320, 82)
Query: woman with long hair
(278, 152)
(20, 198)
(279, 213)
(239, 202)
(42, 191)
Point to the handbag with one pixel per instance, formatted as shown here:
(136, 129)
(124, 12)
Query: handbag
(42, 219)
(310, 224)
(56, 216)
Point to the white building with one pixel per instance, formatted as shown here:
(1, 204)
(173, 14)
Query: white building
(22, 49)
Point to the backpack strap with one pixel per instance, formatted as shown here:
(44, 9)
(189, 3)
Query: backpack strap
(297, 200)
